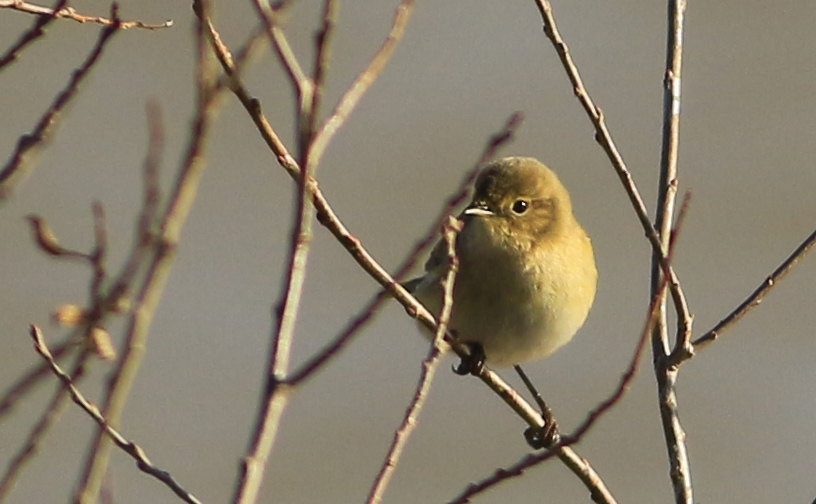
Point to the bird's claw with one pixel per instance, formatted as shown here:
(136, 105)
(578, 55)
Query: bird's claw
(473, 363)
(546, 435)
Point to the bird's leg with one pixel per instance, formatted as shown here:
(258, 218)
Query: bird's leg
(546, 435)
(474, 362)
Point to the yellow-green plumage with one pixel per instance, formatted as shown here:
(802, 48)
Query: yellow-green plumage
(527, 274)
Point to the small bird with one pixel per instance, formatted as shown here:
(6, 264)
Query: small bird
(527, 274)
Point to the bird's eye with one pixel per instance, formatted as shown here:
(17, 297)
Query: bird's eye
(520, 206)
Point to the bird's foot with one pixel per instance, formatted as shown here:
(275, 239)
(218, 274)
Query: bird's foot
(545, 436)
(473, 363)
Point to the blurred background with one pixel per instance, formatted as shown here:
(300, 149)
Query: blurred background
(747, 402)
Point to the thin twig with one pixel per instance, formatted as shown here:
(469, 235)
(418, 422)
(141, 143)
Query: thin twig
(429, 366)
(113, 300)
(321, 62)
(47, 241)
(30, 35)
(276, 394)
(303, 86)
(99, 254)
(363, 82)
(62, 12)
(285, 53)
(667, 186)
(101, 303)
(89, 321)
(163, 252)
(129, 447)
(144, 232)
(604, 138)
(252, 105)
(29, 143)
(651, 319)
(758, 295)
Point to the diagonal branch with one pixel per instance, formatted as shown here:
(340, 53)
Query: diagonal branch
(29, 143)
(129, 447)
(363, 82)
(30, 35)
(758, 295)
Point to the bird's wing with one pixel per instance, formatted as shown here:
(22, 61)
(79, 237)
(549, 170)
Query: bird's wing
(437, 261)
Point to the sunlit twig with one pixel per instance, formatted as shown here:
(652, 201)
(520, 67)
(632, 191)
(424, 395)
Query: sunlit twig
(62, 12)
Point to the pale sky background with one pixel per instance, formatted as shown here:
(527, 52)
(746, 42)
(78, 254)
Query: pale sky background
(747, 403)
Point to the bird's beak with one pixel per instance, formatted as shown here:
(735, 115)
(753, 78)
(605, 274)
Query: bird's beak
(478, 209)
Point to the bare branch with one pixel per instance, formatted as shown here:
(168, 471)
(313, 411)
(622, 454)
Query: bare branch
(62, 12)
(30, 35)
(574, 462)
(304, 86)
(99, 254)
(276, 396)
(362, 83)
(47, 241)
(88, 321)
(144, 233)
(758, 295)
(252, 105)
(127, 446)
(28, 144)
(321, 64)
